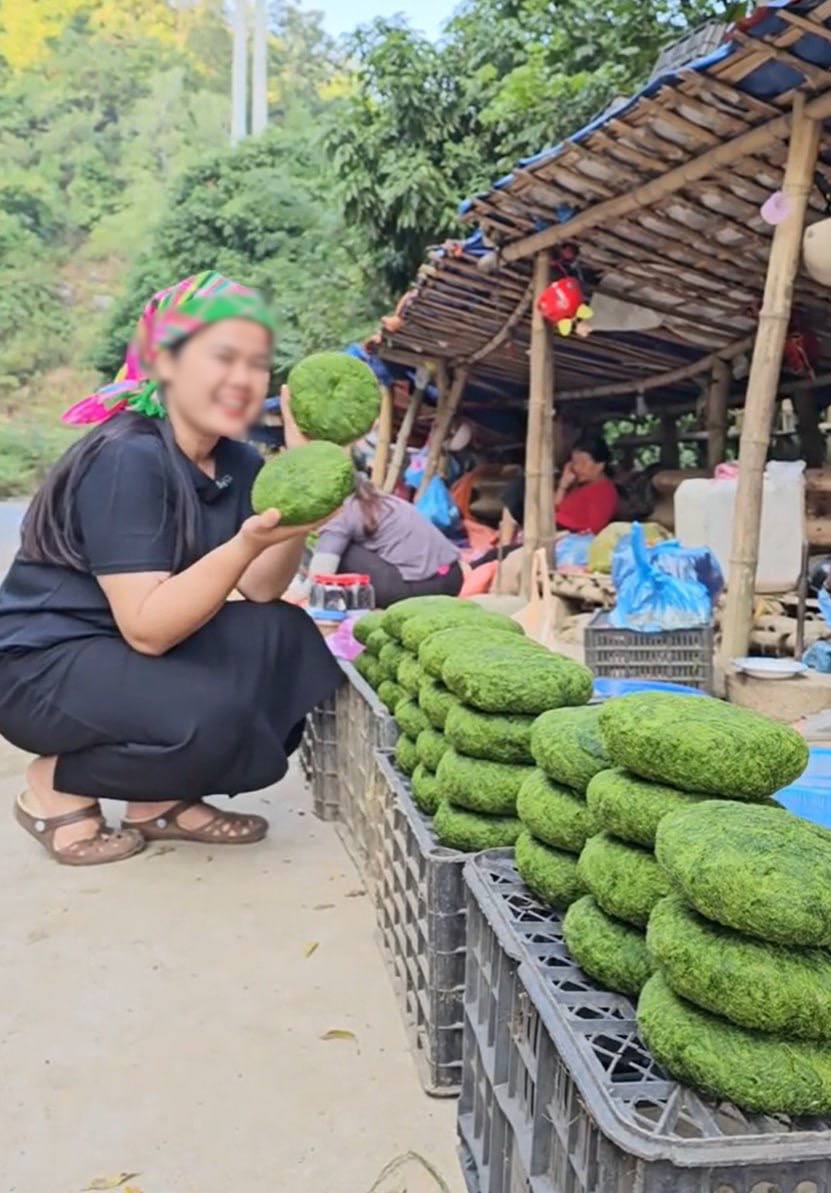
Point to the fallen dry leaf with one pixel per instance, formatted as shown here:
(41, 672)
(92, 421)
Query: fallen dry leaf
(340, 1033)
(111, 1182)
(311, 948)
(355, 894)
(323, 907)
(409, 1160)
(132, 1189)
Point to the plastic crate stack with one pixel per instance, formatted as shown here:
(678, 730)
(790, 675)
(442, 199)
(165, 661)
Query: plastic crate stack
(670, 656)
(318, 760)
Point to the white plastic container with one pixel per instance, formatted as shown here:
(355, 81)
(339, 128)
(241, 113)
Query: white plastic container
(704, 512)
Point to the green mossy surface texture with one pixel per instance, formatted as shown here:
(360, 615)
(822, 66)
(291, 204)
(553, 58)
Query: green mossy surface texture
(391, 656)
(566, 743)
(411, 675)
(411, 719)
(500, 738)
(554, 814)
(435, 650)
(437, 701)
(376, 641)
(550, 874)
(431, 746)
(764, 986)
(625, 880)
(608, 950)
(426, 789)
(405, 754)
(516, 679)
(305, 484)
(759, 870)
(390, 694)
(394, 617)
(472, 833)
(632, 808)
(755, 1071)
(702, 745)
(334, 397)
(366, 626)
(416, 630)
(479, 786)
(371, 669)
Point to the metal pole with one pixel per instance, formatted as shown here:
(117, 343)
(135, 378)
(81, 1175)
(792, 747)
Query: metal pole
(239, 72)
(259, 77)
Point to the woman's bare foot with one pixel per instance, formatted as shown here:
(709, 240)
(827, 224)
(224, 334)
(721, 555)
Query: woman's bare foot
(42, 799)
(194, 817)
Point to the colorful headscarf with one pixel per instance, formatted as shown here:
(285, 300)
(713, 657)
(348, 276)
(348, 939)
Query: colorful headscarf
(170, 317)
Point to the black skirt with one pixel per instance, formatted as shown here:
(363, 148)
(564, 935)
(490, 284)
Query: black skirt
(218, 714)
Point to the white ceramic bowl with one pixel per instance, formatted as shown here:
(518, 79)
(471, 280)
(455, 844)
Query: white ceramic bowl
(761, 668)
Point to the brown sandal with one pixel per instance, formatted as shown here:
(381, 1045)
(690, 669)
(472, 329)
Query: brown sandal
(225, 828)
(108, 845)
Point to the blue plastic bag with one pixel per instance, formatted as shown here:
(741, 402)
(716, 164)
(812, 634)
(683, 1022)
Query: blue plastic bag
(437, 505)
(415, 468)
(649, 599)
(572, 550)
(684, 563)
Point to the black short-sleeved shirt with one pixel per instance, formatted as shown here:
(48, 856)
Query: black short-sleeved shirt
(123, 512)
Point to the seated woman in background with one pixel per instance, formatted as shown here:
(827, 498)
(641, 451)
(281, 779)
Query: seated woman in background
(586, 498)
(388, 540)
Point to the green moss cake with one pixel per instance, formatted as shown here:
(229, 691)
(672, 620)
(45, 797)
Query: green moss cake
(425, 788)
(394, 617)
(410, 719)
(516, 679)
(702, 745)
(366, 626)
(333, 396)
(411, 675)
(376, 642)
(406, 756)
(391, 694)
(625, 880)
(305, 484)
(479, 786)
(609, 951)
(416, 630)
(391, 656)
(436, 701)
(431, 747)
(554, 814)
(490, 735)
(435, 650)
(757, 985)
(371, 669)
(755, 1071)
(551, 874)
(632, 808)
(472, 833)
(566, 743)
(759, 870)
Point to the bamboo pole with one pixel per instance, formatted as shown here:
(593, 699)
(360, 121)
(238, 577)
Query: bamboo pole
(764, 379)
(449, 400)
(718, 397)
(673, 180)
(382, 451)
(403, 438)
(538, 514)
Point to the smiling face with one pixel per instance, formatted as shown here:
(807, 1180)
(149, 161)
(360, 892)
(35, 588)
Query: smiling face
(218, 380)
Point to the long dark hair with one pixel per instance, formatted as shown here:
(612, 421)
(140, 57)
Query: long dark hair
(596, 447)
(371, 504)
(50, 532)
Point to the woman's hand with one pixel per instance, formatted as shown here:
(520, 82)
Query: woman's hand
(261, 531)
(566, 481)
(292, 434)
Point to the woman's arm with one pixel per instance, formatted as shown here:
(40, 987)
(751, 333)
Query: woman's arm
(565, 485)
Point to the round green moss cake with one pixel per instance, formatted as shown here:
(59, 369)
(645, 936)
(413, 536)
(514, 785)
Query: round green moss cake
(554, 814)
(391, 694)
(376, 641)
(611, 952)
(632, 808)
(516, 679)
(755, 1071)
(394, 617)
(305, 484)
(435, 650)
(764, 986)
(479, 786)
(759, 870)
(566, 743)
(406, 756)
(549, 873)
(425, 788)
(391, 656)
(370, 669)
(411, 675)
(436, 701)
(410, 719)
(472, 833)
(366, 626)
(431, 747)
(625, 880)
(416, 630)
(702, 745)
(334, 396)
(490, 735)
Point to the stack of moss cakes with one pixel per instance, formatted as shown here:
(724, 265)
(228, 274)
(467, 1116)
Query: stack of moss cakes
(556, 820)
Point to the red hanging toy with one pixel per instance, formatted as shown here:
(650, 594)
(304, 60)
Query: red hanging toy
(564, 303)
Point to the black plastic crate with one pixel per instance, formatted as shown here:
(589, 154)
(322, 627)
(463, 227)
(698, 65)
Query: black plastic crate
(675, 656)
(318, 754)
(559, 1094)
(420, 907)
(363, 725)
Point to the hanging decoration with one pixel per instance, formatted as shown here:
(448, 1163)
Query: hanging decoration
(564, 303)
(816, 240)
(776, 208)
(802, 350)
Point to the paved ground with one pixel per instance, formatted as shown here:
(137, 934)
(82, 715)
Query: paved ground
(165, 1017)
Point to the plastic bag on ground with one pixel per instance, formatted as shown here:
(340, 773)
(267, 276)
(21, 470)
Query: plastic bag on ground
(649, 599)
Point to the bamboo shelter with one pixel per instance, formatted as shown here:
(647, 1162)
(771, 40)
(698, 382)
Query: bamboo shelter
(659, 199)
